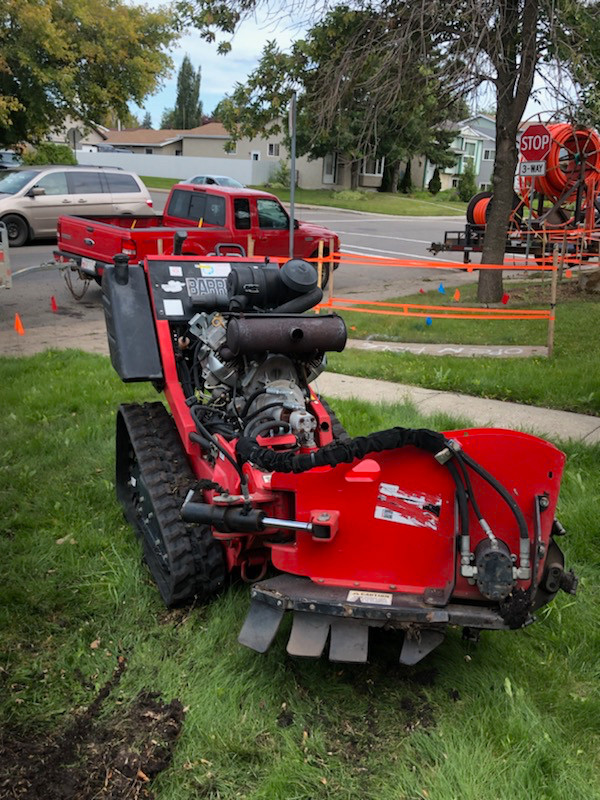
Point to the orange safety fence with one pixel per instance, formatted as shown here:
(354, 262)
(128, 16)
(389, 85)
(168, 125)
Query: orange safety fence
(543, 264)
(378, 307)
(437, 312)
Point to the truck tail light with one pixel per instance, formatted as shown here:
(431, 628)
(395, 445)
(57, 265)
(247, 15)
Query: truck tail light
(128, 247)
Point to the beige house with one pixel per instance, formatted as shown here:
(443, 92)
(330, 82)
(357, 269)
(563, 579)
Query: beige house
(76, 134)
(210, 140)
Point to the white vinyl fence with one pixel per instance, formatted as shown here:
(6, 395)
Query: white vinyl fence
(246, 171)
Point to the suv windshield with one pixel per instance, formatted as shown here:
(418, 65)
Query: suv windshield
(13, 180)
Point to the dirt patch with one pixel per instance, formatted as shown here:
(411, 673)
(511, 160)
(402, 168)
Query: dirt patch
(538, 293)
(114, 757)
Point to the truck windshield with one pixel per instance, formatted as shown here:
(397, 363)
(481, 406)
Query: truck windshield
(12, 181)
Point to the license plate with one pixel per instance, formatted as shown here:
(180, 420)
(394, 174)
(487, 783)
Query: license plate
(197, 286)
(88, 265)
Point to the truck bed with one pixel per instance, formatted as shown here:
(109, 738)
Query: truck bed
(100, 238)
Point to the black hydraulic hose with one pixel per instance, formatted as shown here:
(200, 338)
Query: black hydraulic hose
(339, 452)
(250, 400)
(268, 407)
(504, 494)
(208, 435)
(461, 496)
(268, 425)
(469, 485)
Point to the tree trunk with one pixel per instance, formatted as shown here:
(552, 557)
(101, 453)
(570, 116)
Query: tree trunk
(515, 72)
(354, 174)
(490, 287)
(391, 176)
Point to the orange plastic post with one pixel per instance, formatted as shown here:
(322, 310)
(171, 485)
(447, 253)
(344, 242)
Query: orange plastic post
(19, 326)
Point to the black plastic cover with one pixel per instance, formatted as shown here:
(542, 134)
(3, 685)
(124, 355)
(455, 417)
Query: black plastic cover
(130, 326)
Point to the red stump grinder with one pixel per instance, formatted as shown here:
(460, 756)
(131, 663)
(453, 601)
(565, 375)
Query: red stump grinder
(251, 473)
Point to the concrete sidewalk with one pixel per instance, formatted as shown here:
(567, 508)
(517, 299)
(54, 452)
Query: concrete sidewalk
(90, 335)
(563, 425)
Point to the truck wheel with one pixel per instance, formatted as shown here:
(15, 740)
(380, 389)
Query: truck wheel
(17, 229)
(153, 479)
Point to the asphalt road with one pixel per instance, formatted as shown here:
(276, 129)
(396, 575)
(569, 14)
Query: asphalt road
(33, 289)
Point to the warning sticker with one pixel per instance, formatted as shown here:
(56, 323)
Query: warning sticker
(372, 598)
(418, 509)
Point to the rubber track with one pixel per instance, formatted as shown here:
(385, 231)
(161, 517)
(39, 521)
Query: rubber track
(197, 566)
(339, 433)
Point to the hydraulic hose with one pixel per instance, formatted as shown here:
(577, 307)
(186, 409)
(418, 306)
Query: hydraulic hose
(339, 452)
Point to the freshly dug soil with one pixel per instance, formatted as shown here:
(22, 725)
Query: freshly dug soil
(114, 757)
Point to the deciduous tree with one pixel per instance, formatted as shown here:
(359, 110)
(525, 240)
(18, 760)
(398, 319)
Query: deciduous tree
(81, 58)
(412, 125)
(499, 42)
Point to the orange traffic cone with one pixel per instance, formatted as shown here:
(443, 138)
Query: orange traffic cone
(19, 326)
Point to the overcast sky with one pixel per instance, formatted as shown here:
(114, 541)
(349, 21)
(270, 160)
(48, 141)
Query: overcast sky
(219, 73)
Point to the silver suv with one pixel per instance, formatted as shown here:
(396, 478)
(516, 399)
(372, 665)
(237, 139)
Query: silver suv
(33, 198)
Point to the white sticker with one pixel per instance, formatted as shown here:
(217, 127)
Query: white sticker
(408, 508)
(173, 308)
(176, 272)
(172, 286)
(373, 598)
(214, 270)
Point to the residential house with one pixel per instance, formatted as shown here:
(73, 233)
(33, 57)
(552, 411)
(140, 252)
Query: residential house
(211, 140)
(76, 134)
(475, 143)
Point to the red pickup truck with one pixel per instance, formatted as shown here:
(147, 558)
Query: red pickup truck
(210, 216)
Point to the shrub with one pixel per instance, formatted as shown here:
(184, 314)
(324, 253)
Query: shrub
(406, 184)
(281, 177)
(466, 183)
(351, 195)
(50, 153)
(435, 184)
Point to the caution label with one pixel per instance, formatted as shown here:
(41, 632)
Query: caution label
(370, 598)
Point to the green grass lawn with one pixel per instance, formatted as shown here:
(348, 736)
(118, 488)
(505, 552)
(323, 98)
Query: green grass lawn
(517, 716)
(569, 380)
(418, 204)
(159, 183)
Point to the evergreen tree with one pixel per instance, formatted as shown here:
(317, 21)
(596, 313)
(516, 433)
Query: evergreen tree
(435, 184)
(406, 184)
(147, 121)
(188, 106)
(467, 186)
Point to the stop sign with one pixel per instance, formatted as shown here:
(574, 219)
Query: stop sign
(535, 142)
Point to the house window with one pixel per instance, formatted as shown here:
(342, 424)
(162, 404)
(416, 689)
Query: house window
(330, 168)
(274, 150)
(255, 155)
(470, 148)
(373, 166)
(149, 151)
(454, 183)
(489, 155)
(177, 152)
